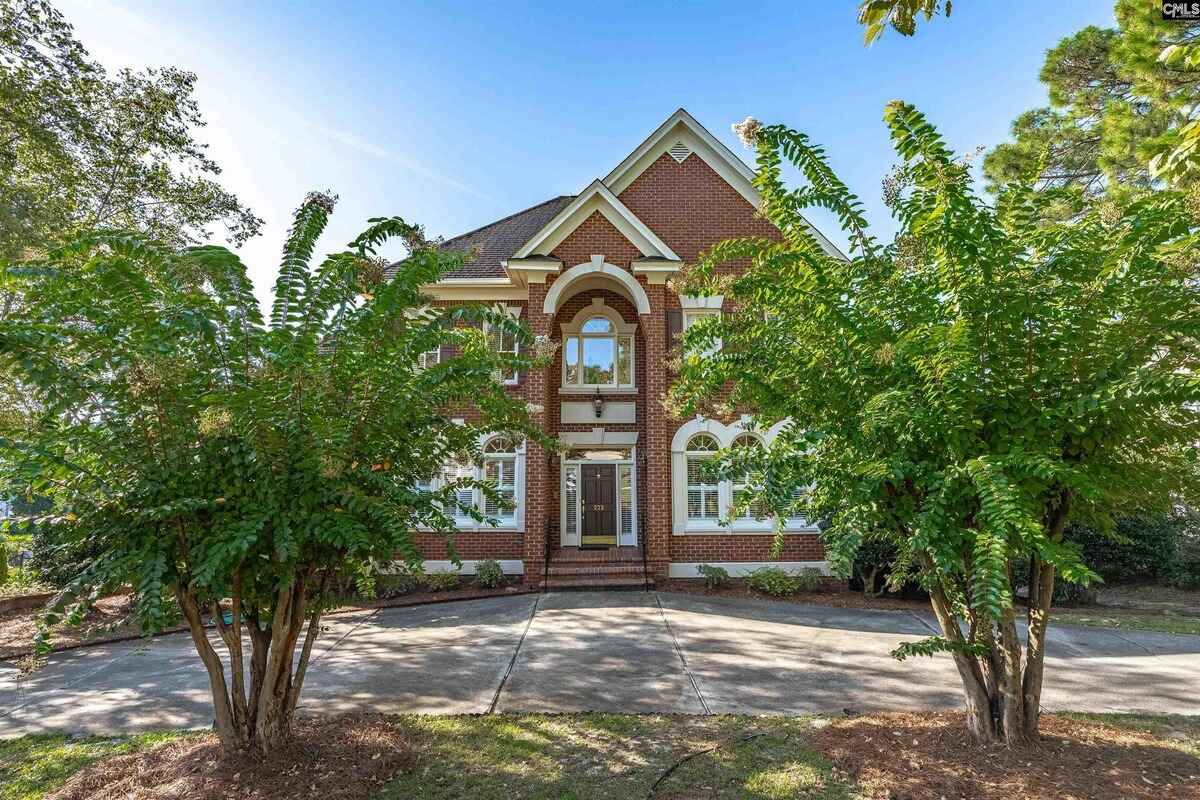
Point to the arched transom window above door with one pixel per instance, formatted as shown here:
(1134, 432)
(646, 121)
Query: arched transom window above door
(597, 350)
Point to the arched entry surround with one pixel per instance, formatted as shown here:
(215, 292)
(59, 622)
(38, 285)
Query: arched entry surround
(595, 274)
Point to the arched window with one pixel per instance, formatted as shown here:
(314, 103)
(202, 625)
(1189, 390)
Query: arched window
(703, 496)
(500, 469)
(597, 349)
(741, 483)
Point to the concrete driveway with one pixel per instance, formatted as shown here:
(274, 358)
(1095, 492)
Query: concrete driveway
(633, 652)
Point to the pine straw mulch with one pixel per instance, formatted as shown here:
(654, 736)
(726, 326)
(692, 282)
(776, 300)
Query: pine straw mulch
(109, 620)
(929, 757)
(335, 758)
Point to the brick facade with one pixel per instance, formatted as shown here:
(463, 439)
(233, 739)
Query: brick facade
(690, 207)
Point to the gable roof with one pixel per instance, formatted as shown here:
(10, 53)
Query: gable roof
(596, 197)
(498, 240)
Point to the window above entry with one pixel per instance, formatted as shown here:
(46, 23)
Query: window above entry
(598, 350)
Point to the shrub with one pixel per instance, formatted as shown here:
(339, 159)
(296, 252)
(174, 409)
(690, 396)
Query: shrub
(874, 561)
(772, 581)
(809, 579)
(395, 584)
(1185, 573)
(1145, 550)
(714, 577)
(441, 581)
(488, 574)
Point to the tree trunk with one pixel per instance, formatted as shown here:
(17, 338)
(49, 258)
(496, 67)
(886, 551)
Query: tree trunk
(258, 720)
(978, 703)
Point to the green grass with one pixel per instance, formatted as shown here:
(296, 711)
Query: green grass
(33, 765)
(570, 757)
(613, 757)
(1161, 623)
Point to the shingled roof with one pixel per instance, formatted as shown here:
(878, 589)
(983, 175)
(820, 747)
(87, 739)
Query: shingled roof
(500, 239)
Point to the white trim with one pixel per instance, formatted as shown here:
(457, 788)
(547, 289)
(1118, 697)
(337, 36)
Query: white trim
(577, 464)
(596, 197)
(740, 569)
(725, 436)
(622, 331)
(474, 290)
(513, 566)
(682, 126)
(599, 436)
(531, 270)
(517, 524)
(656, 270)
(581, 412)
(597, 266)
(690, 302)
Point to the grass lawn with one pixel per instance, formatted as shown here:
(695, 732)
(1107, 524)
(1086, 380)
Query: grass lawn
(33, 765)
(1103, 618)
(620, 757)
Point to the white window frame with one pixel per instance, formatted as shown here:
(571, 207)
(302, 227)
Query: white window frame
(725, 434)
(695, 309)
(705, 489)
(429, 358)
(621, 331)
(574, 466)
(515, 521)
(514, 312)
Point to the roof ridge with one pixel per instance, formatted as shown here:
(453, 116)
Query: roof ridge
(494, 223)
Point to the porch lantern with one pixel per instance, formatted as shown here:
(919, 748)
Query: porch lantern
(598, 404)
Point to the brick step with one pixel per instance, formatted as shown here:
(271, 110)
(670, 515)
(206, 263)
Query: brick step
(569, 570)
(581, 583)
(596, 557)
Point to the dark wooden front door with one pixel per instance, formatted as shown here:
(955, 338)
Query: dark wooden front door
(599, 505)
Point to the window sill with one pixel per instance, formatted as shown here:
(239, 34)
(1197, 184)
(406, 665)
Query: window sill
(592, 389)
(717, 530)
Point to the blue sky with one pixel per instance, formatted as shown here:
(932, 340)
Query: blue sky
(456, 114)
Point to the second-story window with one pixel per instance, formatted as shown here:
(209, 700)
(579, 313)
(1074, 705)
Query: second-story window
(598, 350)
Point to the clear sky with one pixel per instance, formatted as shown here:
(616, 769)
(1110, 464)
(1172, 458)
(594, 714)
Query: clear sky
(456, 114)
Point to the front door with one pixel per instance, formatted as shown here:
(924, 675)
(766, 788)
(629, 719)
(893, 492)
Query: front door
(599, 505)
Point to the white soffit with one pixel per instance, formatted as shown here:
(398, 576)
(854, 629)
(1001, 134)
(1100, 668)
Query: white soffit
(596, 197)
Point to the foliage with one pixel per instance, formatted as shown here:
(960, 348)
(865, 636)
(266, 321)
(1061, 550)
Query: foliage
(32, 766)
(205, 453)
(873, 561)
(82, 149)
(808, 579)
(489, 574)
(441, 581)
(1121, 100)
(965, 390)
(901, 15)
(772, 581)
(714, 577)
(1185, 574)
(403, 580)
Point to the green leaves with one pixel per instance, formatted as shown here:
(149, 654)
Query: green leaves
(963, 391)
(192, 445)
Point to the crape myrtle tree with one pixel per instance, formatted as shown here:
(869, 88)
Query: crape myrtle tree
(961, 392)
(218, 462)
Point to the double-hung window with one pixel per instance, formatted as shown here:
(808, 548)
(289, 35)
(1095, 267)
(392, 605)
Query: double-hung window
(502, 341)
(500, 470)
(741, 486)
(703, 492)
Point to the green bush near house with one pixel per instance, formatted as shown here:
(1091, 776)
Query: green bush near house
(441, 581)
(773, 581)
(714, 577)
(809, 579)
(396, 584)
(489, 574)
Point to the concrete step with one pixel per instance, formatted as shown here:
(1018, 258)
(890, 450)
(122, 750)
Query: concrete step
(580, 583)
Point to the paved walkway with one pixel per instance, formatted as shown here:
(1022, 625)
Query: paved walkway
(634, 652)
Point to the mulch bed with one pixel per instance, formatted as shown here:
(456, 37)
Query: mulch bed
(835, 598)
(17, 628)
(930, 757)
(339, 758)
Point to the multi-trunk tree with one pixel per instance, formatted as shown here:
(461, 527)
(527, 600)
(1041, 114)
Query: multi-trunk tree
(233, 470)
(963, 391)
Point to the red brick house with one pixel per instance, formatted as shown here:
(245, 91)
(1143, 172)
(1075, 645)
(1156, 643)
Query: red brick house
(590, 272)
